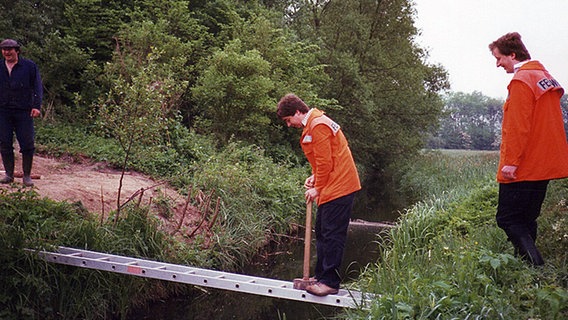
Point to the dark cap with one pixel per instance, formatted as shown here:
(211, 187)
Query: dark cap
(9, 43)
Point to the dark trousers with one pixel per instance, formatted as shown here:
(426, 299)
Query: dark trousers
(20, 122)
(519, 207)
(332, 221)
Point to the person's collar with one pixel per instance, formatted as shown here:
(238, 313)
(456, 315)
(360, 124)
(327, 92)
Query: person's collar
(517, 66)
(306, 117)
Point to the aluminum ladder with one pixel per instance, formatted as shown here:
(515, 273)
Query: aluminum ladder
(201, 277)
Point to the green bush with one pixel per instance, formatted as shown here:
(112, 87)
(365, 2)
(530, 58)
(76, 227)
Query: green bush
(259, 198)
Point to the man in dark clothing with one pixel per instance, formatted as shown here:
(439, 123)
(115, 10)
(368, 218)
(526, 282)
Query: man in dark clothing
(21, 93)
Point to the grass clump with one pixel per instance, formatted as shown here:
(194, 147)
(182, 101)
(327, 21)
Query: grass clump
(447, 259)
(259, 198)
(35, 289)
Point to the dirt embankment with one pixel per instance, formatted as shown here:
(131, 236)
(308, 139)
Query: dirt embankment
(95, 186)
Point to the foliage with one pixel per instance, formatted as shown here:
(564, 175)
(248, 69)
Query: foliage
(70, 71)
(455, 170)
(239, 85)
(63, 140)
(29, 21)
(254, 207)
(144, 93)
(239, 80)
(94, 24)
(259, 198)
(230, 61)
(387, 93)
(447, 259)
(472, 121)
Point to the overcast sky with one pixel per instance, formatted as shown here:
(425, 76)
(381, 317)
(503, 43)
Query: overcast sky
(457, 34)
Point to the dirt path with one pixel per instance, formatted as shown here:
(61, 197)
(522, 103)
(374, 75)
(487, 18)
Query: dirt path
(95, 185)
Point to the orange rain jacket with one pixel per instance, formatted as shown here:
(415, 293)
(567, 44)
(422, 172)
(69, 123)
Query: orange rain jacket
(533, 136)
(325, 147)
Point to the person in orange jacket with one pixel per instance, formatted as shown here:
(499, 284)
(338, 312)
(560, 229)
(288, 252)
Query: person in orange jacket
(333, 184)
(533, 145)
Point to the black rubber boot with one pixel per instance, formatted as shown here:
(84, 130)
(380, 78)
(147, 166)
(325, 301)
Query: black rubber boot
(8, 161)
(27, 161)
(526, 249)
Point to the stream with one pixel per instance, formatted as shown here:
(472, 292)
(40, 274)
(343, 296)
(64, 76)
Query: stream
(285, 263)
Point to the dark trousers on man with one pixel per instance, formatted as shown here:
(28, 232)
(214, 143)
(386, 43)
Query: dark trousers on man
(519, 207)
(18, 121)
(332, 221)
(21, 122)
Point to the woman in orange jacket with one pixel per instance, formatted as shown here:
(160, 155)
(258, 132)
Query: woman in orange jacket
(332, 185)
(533, 145)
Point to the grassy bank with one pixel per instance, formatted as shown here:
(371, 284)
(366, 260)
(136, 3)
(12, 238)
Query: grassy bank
(447, 259)
(258, 200)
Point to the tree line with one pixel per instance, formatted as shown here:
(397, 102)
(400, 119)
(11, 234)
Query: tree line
(473, 121)
(133, 69)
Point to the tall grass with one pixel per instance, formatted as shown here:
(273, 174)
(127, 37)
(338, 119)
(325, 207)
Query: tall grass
(260, 199)
(447, 259)
(35, 289)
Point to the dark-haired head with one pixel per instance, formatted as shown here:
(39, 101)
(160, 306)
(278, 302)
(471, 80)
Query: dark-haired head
(289, 104)
(511, 43)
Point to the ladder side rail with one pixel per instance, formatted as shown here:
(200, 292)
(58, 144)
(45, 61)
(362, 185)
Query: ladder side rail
(196, 279)
(147, 264)
(121, 259)
(287, 292)
(206, 272)
(86, 254)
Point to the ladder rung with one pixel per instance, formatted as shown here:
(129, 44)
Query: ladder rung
(103, 259)
(76, 254)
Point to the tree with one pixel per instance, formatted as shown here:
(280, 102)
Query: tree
(388, 93)
(144, 90)
(472, 121)
(94, 23)
(234, 93)
(29, 21)
(239, 85)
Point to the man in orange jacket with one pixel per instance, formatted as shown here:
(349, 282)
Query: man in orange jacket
(533, 145)
(332, 185)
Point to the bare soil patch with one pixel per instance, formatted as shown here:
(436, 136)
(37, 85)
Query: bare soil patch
(95, 186)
